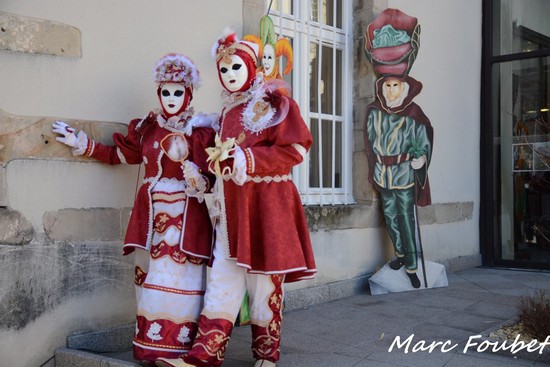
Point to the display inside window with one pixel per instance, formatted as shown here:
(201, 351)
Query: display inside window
(528, 129)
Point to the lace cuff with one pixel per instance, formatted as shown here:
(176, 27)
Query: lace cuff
(196, 182)
(81, 144)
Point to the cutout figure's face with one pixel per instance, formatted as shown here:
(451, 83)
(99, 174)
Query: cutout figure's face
(393, 88)
(268, 59)
(172, 97)
(234, 74)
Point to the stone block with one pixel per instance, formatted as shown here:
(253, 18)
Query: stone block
(3, 186)
(32, 137)
(37, 279)
(467, 209)
(462, 263)
(305, 297)
(115, 339)
(426, 214)
(358, 140)
(78, 225)
(124, 219)
(387, 280)
(38, 36)
(363, 191)
(65, 357)
(338, 217)
(447, 212)
(14, 228)
(252, 9)
(453, 212)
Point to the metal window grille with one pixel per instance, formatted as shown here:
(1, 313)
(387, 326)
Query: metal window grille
(321, 35)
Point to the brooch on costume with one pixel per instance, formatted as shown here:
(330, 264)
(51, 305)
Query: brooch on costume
(175, 147)
(257, 115)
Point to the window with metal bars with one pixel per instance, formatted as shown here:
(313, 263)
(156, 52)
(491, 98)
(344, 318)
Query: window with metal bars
(320, 32)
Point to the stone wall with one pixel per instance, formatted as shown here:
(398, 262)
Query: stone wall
(38, 36)
(61, 265)
(58, 274)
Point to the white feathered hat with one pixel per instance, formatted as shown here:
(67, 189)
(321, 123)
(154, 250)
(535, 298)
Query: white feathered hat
(176, 68)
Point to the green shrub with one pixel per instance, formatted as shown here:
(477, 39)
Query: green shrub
(534, 314)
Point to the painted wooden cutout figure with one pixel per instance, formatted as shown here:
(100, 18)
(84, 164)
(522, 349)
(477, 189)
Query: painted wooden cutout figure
(398, 135)
(169, 231)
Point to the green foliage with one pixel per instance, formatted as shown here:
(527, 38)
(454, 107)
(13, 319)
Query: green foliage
(417, 150)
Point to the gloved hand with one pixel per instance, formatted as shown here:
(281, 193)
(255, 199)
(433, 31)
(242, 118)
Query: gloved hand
(196, 182)
(417, 163)
(78, 142)
(68, 136)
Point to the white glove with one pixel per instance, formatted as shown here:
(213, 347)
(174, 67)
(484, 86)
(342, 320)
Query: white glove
(239, 165)
(68, 136)
(417, 163)
(196, 183)
(78, 142)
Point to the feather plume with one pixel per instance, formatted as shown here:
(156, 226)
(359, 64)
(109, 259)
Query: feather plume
(228, 36)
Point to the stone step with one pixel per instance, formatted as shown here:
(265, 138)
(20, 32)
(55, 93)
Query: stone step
(65, 357)
(112, 347)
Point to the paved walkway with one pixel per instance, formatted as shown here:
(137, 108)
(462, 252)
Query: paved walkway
(358, 331)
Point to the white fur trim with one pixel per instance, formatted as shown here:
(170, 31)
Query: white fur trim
(300, 150)
(121, 156)
(205, 120)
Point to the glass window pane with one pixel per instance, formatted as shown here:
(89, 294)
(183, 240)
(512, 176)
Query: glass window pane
(329, 88)
(324, 158)
(523, 145)
(283, 63)
(521, 26)
(285, 5)
(323, 11)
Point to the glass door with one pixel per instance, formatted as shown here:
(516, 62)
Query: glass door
(525, 159)
(517, 185)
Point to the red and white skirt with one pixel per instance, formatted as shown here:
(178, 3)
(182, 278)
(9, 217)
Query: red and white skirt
(170, 285)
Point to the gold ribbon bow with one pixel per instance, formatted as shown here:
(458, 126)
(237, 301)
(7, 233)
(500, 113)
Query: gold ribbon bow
(219, 153)
(224, 53)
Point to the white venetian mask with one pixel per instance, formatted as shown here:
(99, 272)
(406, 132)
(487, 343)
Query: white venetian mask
(172, 97)
(233, 75)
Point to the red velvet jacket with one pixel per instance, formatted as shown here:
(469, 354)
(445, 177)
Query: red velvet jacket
(263, 222)
(142, 145)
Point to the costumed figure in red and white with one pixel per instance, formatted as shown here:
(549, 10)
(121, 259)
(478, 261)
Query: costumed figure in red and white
(262, 238)
(169, 231)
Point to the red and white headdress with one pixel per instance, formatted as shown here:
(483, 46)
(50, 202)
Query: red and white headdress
(176, 68)
(229, 43)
